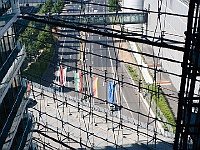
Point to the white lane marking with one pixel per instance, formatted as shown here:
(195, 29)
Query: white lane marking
(99, 37)
(61, 57)
(113, 76)
(103, 83)
(70, 56)
(144, 101)
(126, 102)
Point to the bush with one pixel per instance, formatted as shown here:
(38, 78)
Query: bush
(159, 99)
(133, 73)
(161, 103)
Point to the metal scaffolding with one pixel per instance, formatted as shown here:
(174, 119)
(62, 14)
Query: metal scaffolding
(188, 123)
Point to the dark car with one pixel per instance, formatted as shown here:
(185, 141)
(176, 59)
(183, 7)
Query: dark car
(31, 103)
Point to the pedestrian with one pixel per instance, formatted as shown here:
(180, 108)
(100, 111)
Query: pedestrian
(42, 93)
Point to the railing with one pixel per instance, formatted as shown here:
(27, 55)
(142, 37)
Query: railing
(8, 23)
(185, 2)
(6, 6)
(12, 71)
(27, 128)
(17, 119)
(29, 138)
(12, 115)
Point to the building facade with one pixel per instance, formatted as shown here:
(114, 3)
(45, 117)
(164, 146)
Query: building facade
(15, 120)
(169, 26)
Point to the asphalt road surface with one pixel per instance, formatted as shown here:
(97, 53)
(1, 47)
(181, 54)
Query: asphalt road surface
(126, 96)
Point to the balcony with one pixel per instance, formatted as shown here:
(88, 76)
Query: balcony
(15, 124)
(24, 133)
(6, 21)
(10, 68)
(5, 8)
(11, 117)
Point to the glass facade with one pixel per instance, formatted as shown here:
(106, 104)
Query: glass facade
(5, 5)
(15, 121)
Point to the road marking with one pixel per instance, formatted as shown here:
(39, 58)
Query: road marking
(143, 100)
(92, 61)
(164, 83)
(103, 83)
(113, 77)
(70, 56)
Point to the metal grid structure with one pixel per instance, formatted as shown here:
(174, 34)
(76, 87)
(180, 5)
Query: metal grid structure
(55, 110)
(187, 131)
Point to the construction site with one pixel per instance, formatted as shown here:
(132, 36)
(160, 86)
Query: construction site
(99, 74)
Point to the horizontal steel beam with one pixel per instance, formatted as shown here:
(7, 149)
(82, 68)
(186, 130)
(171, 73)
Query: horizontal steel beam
(102, 18)
(81, 27)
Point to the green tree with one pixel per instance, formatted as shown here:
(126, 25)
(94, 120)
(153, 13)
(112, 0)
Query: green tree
(45, 37)
(57, 7)
(47, 7)
(115, 5)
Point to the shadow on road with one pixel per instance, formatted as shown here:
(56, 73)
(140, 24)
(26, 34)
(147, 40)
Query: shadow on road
(69, 60)
(68, 53)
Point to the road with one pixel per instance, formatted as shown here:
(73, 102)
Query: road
(68, 54)
(126, 96)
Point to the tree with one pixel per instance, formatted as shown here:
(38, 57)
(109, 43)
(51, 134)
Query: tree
(47, 7)
(57, 7)
(115, 5)
(45, 37)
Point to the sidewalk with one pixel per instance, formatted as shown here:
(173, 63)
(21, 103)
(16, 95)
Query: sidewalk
(67, 122)
(163, 80)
